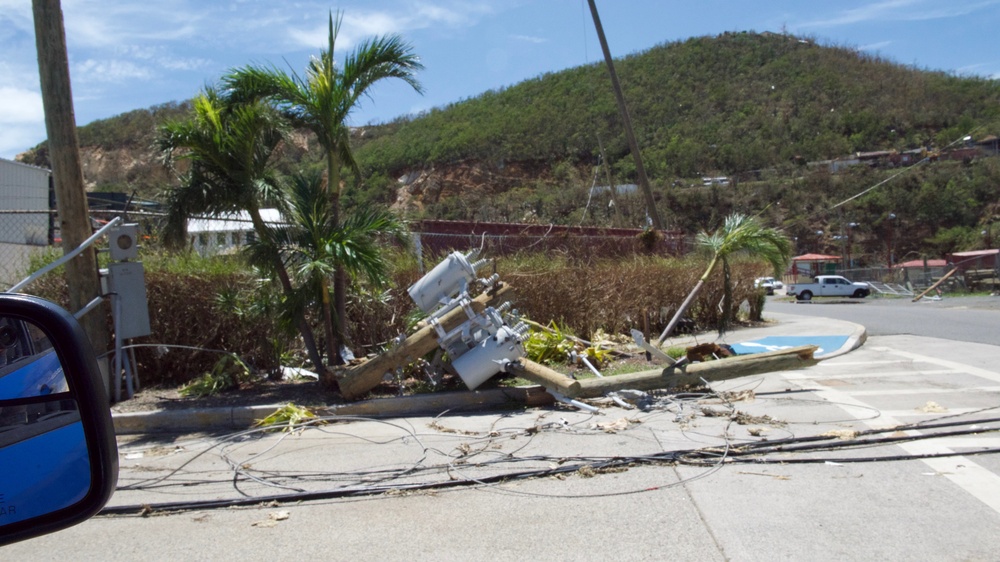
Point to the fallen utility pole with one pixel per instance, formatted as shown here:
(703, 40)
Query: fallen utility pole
(355, 381)
(694, 374)
(544, 376)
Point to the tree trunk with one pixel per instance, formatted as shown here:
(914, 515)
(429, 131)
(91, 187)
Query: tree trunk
(339, 275)
(64, 152)
(286, 284)
(687, 302)
(328, 321)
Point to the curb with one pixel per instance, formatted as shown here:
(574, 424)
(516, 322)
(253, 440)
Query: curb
(244, 417)
(854, 341)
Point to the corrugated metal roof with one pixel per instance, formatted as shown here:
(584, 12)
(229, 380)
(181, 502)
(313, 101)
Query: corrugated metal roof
(46, 170)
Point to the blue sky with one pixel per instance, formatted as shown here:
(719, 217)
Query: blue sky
(126, 54)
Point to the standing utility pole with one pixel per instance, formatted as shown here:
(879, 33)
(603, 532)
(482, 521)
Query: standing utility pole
(64, 155)
(640, 170)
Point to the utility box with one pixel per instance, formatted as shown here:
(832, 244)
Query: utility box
(128, 281)
(123, 242)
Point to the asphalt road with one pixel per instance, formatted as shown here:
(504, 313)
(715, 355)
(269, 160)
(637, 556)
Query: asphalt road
(926, 493)
(967, 319)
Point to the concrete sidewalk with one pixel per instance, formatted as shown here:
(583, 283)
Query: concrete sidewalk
(791, 330)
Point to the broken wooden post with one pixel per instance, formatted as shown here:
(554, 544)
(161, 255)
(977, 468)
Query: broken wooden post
(934, 286)
(710, 371)
(355, 381)
(544, 376)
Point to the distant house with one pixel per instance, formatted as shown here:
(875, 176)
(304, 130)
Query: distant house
(976, 259)
(25, 188)
(989, 146)
(619, 189)
(221, 235)
(921, 264)
(842, 164)
(715, 180)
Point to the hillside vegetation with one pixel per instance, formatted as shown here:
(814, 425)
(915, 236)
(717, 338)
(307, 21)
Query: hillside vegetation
(756, 108)
(707, 105)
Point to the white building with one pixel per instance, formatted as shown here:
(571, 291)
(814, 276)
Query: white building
(210, 236)
(24, 188)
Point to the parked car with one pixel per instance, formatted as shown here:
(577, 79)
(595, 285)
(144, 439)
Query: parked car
(769, 284)
(828, 286)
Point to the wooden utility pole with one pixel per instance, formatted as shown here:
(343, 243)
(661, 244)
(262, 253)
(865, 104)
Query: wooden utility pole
(640, 170)
(64, 155)
(695, 373)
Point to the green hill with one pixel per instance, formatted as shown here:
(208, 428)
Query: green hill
(759, 109)
(708, 105)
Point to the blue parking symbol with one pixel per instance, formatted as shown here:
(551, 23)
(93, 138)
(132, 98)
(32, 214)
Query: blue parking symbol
(827, 344)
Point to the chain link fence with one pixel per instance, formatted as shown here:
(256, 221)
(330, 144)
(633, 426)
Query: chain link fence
(436, 238)
(27, 234)
(22, 235)
(972, 275)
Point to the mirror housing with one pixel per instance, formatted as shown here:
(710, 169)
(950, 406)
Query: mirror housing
(30, 482)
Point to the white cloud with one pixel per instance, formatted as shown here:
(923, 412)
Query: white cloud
(18, 14)
(183, 63)
(107, 24)
(530, 39)
(405, 16)
(160, 56)
(15, 139)
(875, 46)
(22, 120)
(902, 10)
(112, 70)
(18, 105)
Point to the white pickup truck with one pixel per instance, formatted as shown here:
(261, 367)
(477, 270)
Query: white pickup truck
(828, 286)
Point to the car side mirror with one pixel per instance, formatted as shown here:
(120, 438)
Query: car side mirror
(58, 455)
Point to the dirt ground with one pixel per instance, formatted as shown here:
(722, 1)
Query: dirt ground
(301, 392)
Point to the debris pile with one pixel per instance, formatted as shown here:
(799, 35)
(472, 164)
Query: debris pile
(477, 338)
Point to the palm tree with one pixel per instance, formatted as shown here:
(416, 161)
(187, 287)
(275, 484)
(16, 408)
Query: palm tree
(230, 149)
(740, 235)
(323, 100)
(313, 247)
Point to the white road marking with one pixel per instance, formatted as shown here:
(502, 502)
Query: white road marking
(929, 390)
(813, 375)
(984, 373)
(976, 480)
(916, 413)
(838, 364)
